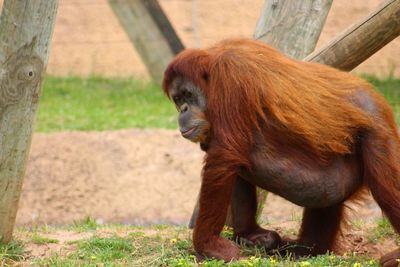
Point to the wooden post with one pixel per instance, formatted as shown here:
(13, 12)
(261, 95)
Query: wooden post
(362, 40)
(26, 28)
(150, 32)
(293, 27)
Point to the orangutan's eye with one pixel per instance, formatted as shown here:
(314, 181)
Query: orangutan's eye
(187, 94)
(176, 99)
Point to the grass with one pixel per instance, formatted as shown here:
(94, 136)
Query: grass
(103, 249)
(383, 230)
(9, 253)
(85, 225)
(96, 104)
(159, 245)
(41, 240)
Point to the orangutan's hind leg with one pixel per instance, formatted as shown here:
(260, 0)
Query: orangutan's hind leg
(318, 232)
(381, 159)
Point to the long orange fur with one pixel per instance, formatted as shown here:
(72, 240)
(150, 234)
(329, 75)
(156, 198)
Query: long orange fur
(250, 86)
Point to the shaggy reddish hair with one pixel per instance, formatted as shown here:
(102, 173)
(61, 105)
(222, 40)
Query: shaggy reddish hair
(246, 85)
(307, 111)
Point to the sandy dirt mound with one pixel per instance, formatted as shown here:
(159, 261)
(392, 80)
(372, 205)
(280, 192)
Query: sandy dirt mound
(131, 176)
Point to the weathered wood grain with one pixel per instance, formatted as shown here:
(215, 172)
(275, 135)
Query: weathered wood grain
(292, 26)
(26, 28)
(150, 32)
(360, 41)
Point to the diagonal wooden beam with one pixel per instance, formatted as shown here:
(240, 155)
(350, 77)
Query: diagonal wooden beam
(166, 29)
(150, 32)
(364, 38)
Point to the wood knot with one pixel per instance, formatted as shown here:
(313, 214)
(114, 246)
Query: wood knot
(21, 76)
(27, 73)
(29, 70)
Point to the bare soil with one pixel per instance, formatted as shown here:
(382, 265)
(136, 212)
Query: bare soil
(129, 176)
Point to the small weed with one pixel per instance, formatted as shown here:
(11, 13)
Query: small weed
(105, 249)
(13, 251)
(383, 230)
(227, 232)
(160, 226)
(184, 245)
(55, 259)
(85, 225)
(182, 261)
(40, 240)
(358, 224)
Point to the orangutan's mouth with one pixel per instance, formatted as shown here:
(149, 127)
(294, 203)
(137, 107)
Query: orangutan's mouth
(188, 133)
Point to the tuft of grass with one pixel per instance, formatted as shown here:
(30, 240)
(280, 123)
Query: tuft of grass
(382, 231)
(11, 252)
(40, 239)
(86, 224)
(227, 232)
(95, 103)
(358, 224)
(56, 259)
(105, 249)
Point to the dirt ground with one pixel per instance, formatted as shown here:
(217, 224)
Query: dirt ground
(134, 176)
(129, 176)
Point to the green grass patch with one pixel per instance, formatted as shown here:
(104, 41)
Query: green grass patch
(133, 248)
(382, 231)
(141, 249)
(102, 249)
(11, 252)
(96, 104)
(86, 224)
(40, 239)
